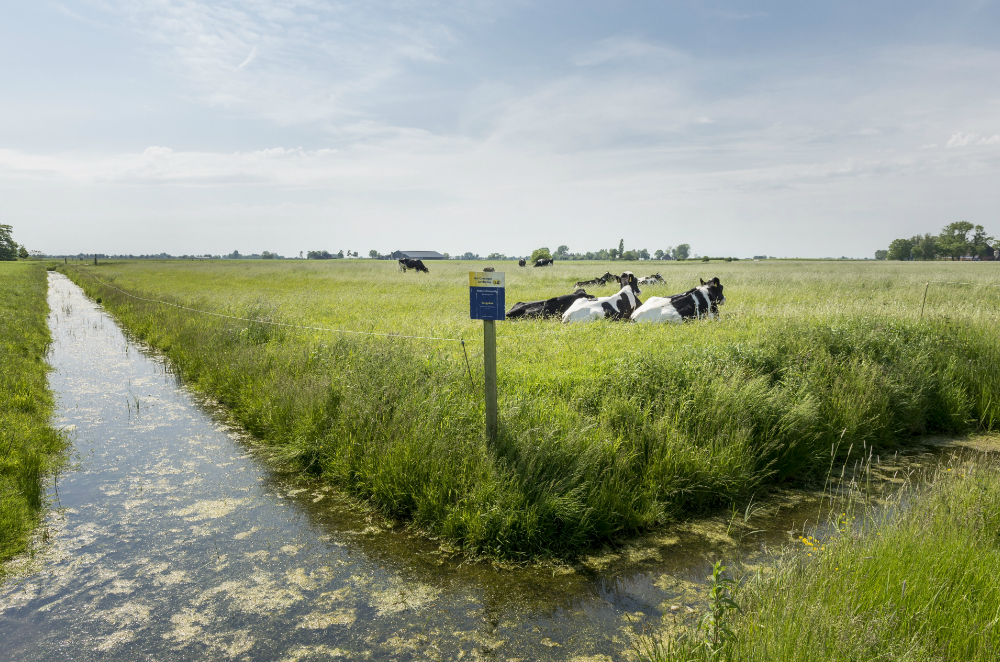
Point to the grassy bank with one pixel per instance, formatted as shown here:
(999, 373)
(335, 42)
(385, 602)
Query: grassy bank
(606, 428)
(916, 583)
(29, 446)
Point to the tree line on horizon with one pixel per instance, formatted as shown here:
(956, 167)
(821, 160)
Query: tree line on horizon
(957, 240)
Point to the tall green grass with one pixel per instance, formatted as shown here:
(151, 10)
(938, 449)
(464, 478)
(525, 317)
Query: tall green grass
(916, 582)
(606, 429)
(29, 446)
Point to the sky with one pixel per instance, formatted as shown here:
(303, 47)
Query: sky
(740, 128)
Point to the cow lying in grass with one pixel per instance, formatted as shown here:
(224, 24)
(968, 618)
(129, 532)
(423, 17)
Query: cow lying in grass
(407, 263)
(651, 280)
(544, 262)
(616, 307)
(548, 308)
(600, 280)
(702, 301)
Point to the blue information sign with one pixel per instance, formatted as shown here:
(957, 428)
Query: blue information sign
(486, 296)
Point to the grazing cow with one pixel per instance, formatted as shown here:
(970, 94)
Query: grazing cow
(702, 301)
(549, 307)
(543, 262)
(616, 307)
(600, 280)
(406, 263)
(488, 269)
(651, 280)
(521, 263)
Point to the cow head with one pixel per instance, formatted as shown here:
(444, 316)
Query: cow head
(580, 293)
(628, 279)
(714, 289)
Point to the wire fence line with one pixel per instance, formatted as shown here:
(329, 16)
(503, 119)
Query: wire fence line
(271, 322)
(927, 286)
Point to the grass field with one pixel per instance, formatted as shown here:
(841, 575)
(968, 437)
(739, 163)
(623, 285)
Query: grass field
(29, 446)
(916, 582)
(606, 429)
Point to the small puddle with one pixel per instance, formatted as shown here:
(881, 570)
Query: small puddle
(167, 539)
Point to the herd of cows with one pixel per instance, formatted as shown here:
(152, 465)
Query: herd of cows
(701, 301)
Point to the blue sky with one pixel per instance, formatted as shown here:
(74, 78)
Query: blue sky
(738, 127)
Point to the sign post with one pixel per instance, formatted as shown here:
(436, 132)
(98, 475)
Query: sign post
(486, 302)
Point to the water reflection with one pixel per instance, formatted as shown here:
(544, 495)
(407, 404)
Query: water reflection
(169, 540)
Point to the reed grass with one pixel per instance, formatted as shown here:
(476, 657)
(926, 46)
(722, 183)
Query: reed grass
(29, 446)
(606, 429)
(914, 579)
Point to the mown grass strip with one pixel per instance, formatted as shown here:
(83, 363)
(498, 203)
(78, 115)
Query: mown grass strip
(605, 429)
(916, 583)
(29, 445)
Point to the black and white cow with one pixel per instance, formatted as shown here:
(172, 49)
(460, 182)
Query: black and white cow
(702, 301)
(651, 280)
(543, 262)
(616, 307)
(521, 262)
(549, 307)
(600, 280)
(406, 263)
(488, 269)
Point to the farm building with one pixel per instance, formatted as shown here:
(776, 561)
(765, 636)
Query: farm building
(418, 255)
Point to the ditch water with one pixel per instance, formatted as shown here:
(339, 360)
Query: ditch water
(168, 539)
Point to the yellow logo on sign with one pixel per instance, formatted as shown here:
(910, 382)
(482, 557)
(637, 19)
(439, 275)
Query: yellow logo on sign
(485, 279)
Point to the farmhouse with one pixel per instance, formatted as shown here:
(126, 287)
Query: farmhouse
(417, 255)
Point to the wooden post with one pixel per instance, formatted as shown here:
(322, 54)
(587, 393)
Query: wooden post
(490, 370)
(95, 259)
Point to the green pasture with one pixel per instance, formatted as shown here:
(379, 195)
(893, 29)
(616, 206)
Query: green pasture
(29, 446)
(607, 428)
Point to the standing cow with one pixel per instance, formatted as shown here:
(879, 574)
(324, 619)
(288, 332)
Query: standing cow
(521, 262)
(702, 301)
(616, 307)
(406, 263)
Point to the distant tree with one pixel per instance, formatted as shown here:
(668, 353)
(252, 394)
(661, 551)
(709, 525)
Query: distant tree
(300, 255)
(469, 255)
(924, 248)
(705, 259)
(900, 249)
(22, 253)
(658, 254)
(373, 253)
(446, 256)
(980, 241)
(562, 252)
(954, 239)
(496, 256)
(540, 254)
(267, 255)
(631, 256)
(339, 255)
(643, 254)
(8, 249)
(682, 251)
(319, 255)
(621, 246)
(881, 255)
(613, 254)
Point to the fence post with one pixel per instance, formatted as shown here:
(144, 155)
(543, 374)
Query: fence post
(490, 370)
(95, 259)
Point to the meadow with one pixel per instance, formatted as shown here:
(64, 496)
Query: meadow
(605, 429)
(29, 445)
(913, 579)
